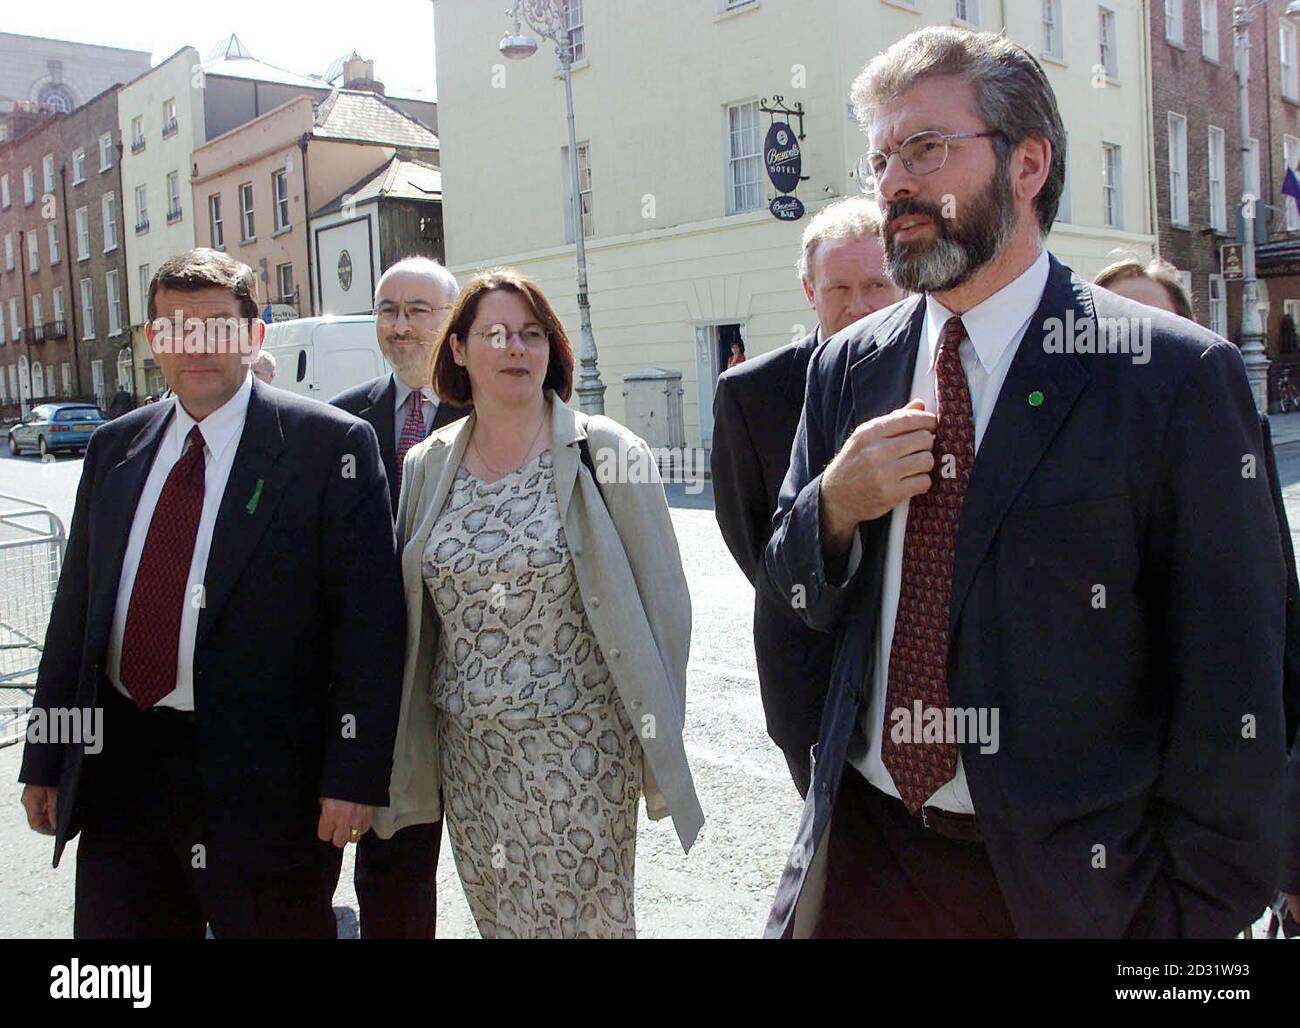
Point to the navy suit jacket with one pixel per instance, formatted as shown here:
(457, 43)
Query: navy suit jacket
(1137, 785)
(300, 644)
(755, 415)
(375, 402)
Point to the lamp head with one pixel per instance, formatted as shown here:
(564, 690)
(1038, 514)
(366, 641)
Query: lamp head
(517, 47)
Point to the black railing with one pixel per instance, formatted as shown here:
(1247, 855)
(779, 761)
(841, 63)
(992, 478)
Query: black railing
(173, 214)
(56, 329)
(141, 225)
(169, 128)
(35, 334)
(137, 145)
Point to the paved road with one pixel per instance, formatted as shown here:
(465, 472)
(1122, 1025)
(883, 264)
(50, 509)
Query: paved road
(722, 890)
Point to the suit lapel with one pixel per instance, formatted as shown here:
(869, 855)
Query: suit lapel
(114, 515)
(1019, 430)
(796, 378)
(253, 491)
(447, 456)
(380, 414)
(882, 377)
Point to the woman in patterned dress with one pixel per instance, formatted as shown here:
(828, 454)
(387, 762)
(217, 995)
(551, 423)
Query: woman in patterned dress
(540, 764)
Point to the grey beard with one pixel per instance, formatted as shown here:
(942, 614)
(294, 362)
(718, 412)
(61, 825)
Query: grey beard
(944, 265)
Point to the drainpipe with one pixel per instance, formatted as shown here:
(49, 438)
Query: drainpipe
(306, 227)
(70, 310)
(23, 272)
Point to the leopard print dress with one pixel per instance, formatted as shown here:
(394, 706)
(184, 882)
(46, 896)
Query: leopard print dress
(541, 767)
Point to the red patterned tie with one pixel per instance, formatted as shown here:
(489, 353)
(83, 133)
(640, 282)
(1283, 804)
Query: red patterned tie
(918, 657)
(412, 431)
(151, 640)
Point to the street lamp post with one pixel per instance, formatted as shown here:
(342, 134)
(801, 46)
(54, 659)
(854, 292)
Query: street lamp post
(547, 19)
(1253, 353)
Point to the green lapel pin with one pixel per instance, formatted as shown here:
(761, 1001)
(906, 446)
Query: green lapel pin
(257, 495)
(1035, 400)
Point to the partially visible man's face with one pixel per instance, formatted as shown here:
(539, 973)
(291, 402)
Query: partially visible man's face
(203, 380)
(924, 250)
(410, 310)
(848, 282)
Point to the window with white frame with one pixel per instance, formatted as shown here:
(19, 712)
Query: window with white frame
(87, 310)
(67, 379)
(1174, 21)
(106, 151)
(13, 381)
(38, 316)
(1287, 60)
(1185, 279)
(97, 382)
(114, 289)
(284, 282)
(58, 310)
(29, 186)
(83, 234)
(141, 208)
(214, 221)
(108, 204)
(1108, 58)
(246, 225)
(584, 190)
(52, 230)
(169, 117)
(78, 167)
(1112, 196)
(744, 158)
(4, 191)
(9, 251)
(1218, 303)
(280, 198)
(968, 11)
(47, 172)
(4, 337)
(1053, 38)
(15, 322)
(1218, 174)
(577, 42)
(1210, 29)
(38, 380)
(137, 133)
(173, 196)
(1178, 213)
(1291, 154)
(33, 251)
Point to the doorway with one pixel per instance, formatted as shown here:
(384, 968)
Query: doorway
(712, 348)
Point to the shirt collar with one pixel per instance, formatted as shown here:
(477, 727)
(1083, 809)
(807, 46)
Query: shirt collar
(996, 322)
(221, 427)
(404, 390)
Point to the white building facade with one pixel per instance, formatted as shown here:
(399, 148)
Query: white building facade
(683, 252)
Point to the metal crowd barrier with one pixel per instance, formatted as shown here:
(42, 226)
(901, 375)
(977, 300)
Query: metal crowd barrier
(32, 542)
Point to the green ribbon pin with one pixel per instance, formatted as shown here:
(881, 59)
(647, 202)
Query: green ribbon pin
(257, 495)
(1035, 400)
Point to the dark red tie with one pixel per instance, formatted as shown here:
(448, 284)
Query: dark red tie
(413, 431)
(153, 621)
(918, 657)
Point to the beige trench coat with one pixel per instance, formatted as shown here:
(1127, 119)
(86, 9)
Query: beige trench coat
(629, 572)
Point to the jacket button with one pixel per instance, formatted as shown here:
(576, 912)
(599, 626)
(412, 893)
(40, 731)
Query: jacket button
(615, 653)
(595, 601)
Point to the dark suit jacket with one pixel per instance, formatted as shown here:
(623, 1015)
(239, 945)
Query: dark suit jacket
(1290, 880)
(1121, 726)
(303, 626)
(755, 414)
(374, 402)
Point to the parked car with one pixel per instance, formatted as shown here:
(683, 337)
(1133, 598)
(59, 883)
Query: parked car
(321, 357)
(54, 427)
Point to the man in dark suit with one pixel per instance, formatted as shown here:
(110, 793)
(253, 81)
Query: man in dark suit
(1023, 514)
(231, 604)
(396, 879)
(756, 410)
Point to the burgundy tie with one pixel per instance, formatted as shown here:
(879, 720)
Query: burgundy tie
(918, 657)
(151, 640)
(412, 431)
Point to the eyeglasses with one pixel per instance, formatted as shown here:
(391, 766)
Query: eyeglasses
(416, 311)
(922, 153)
(532, 335)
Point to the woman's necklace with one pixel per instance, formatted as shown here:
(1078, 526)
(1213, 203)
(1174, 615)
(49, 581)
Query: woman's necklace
(496, 471)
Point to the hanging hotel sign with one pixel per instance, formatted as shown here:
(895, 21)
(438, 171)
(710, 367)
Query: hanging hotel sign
(783, 157)
(1232, 262)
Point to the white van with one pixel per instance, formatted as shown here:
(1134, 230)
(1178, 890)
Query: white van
(321, 357)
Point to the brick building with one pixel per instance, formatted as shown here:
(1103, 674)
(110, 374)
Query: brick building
(64, 298)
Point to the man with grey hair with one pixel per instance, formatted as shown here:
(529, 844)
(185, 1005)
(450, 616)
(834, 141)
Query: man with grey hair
(263, 366)
(396, 878)
(1051, 570)
(756, 411)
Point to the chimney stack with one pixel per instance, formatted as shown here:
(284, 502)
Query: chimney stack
(359, 73)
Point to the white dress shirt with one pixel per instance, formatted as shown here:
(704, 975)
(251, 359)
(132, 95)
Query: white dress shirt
(429, 407)
(994, 329)
(221, 433)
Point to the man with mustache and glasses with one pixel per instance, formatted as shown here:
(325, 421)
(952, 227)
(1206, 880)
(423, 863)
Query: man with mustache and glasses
(396, 878)
(1052, 572)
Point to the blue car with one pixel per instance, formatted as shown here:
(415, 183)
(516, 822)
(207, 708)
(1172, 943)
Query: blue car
(55, 427)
